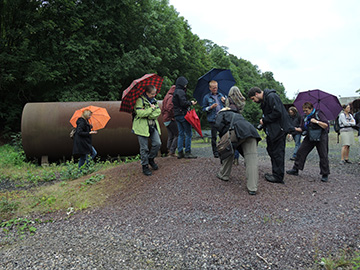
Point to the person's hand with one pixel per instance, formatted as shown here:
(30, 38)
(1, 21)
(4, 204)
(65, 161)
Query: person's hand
(152, 106)
(261, 122)
(298, 129)
(223, 99)
(193, 102)
(313, 120)
(213, 106)
(93, 132)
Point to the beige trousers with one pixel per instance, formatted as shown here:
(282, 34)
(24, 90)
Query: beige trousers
(249, 147)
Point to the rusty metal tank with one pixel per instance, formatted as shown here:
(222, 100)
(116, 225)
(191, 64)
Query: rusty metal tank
(45, 129)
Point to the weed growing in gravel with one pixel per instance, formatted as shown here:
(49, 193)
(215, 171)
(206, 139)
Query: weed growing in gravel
(347, 259)
(20, 225)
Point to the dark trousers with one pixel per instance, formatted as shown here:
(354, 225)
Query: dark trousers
(322, 148)
(214, 135)
(276, 151)
(173, 134)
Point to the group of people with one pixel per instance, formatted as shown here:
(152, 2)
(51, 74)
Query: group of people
(222, 112)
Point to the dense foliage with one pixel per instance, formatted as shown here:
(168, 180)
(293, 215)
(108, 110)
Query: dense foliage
(81, 50)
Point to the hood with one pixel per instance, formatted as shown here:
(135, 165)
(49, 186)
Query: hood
(268, 91)
(181, 82)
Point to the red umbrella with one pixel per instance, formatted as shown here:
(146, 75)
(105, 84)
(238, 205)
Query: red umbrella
(194, 120)
(137, 88)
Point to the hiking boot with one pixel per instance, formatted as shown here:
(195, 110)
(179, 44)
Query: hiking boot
(189, 155)
(181, 155)
(153, 164)
(348, 161)
(146, 170)
(293, 171)
(342, 162)
(325, 178)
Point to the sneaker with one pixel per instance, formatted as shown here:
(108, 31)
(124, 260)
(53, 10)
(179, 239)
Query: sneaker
(189, 155)
(153, 165)
(348, 161)
(292, 158)
(146, 170)
(236, 162)
(325, 178)
(293, 171)
(342, 162)
(216, 155)
(180, 155)
(251, 192)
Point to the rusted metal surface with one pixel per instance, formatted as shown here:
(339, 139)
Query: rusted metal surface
(45, 129)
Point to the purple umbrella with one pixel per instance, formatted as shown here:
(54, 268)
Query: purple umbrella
(325, 102)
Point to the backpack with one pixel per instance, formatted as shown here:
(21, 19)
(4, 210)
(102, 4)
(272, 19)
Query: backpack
(337, 125)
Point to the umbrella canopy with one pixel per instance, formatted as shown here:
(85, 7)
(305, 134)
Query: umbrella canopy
(327, 103)
(223, 77)
(194, 121)
(98, 119)
(137, 88)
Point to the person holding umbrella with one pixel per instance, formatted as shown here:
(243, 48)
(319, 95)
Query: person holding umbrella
(145, 126)
(181, 105)
(212, 103)
(276, 123)
(314, 122)
(83, 139)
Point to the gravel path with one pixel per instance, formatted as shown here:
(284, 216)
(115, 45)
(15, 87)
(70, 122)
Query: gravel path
(183, 217)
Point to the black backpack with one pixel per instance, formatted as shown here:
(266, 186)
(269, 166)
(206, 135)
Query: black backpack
(337, 125)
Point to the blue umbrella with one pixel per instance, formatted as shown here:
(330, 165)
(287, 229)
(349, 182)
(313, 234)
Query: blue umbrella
(223, 77)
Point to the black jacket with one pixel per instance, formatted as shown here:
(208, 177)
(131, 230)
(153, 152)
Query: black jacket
(275, 117)
(295, 120)
(181, 104)
(243, 128)
(82, 138)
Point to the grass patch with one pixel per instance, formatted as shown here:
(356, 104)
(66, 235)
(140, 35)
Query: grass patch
(23, 191)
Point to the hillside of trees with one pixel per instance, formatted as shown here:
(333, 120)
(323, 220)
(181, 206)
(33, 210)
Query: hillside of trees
(80, 50)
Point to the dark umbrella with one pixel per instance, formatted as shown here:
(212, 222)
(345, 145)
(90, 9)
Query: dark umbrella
(136, 89)
(223, 77)
(327, 103)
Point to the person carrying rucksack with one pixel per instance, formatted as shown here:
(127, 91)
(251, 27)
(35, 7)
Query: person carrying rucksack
(316, 128)
(167, 112)
(347, 124)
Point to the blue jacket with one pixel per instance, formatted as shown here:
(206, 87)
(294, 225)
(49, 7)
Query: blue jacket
(208, 100)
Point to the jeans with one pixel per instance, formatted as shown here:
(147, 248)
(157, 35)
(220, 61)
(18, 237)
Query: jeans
(144, 146)
(184, 131)
(85, 158)
(297, 140)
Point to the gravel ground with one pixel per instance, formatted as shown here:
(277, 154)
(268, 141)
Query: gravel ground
(183, 217)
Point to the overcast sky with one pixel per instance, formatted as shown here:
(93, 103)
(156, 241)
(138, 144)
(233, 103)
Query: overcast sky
(308, 44)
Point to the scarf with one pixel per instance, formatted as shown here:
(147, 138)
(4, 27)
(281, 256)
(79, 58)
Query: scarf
(307, 119)
(151, 100)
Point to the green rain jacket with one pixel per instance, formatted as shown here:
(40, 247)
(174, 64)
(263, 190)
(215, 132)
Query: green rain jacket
(143, 113)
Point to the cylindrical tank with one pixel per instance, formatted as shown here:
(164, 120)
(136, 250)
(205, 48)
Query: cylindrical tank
(45, 129)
